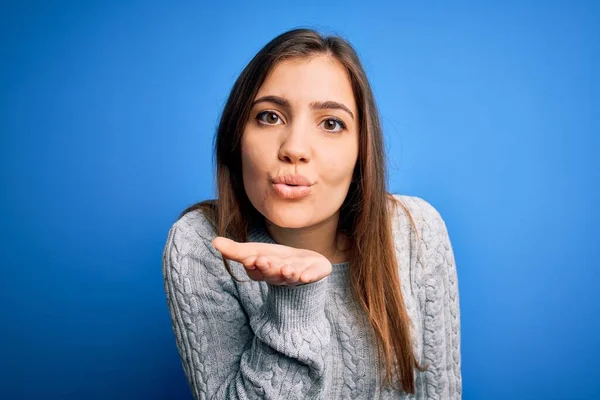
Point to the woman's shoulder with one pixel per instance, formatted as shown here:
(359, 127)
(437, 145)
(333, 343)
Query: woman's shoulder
(419, 208)
(418, 213)
(195, 223)
(189, 240)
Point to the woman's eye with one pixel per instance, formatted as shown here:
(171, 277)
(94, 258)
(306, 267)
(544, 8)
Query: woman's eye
(270, 118)
(330, 125)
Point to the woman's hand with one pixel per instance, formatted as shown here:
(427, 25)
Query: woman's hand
(274, 263)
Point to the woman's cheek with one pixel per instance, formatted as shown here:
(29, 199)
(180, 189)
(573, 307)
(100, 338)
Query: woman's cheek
(250, 155)
(336, 171)
(256, 167)
(258, 150)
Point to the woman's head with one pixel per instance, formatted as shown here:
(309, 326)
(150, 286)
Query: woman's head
(318, 119)
(303, 120)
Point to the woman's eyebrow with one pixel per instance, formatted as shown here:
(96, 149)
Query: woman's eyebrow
(315, 105)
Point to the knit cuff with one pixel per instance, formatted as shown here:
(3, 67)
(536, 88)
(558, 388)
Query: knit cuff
(294, 307)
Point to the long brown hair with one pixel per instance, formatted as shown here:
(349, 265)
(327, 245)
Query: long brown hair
(364, 215)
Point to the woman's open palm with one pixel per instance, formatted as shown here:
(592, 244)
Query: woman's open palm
(274, 263)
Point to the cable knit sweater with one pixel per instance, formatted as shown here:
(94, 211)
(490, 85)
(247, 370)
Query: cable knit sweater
(255, 340)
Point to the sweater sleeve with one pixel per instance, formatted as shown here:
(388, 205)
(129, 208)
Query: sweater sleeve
(278, 353)
(440, 307)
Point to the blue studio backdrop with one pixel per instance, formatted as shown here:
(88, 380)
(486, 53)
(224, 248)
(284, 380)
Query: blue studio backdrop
(108, 111)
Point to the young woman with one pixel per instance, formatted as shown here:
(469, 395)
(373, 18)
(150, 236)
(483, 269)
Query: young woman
(305, 278)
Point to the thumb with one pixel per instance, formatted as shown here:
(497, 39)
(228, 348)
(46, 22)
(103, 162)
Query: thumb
(229, 248)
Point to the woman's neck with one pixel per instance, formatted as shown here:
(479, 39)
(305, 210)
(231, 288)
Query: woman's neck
(322, 238)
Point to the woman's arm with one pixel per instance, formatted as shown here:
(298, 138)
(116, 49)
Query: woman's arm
(277, 354)
(440, 308)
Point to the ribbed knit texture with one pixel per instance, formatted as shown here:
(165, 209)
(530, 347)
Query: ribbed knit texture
(254, 340)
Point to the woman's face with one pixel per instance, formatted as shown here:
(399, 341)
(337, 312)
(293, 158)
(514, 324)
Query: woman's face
(303, 121)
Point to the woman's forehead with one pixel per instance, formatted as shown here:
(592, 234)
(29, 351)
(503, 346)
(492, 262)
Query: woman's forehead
(305, 80)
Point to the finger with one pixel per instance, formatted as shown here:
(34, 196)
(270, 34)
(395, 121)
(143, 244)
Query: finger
(275, 279)
(232, 250)
(264, 263)
(311, 274)
(237, 251)
(255, 275)
(291, 272)
(249, 262)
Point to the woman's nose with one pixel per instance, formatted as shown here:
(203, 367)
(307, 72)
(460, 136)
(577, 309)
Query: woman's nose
(296, 146)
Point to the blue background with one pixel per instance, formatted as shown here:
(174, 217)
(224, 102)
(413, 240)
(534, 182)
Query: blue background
(107, 114)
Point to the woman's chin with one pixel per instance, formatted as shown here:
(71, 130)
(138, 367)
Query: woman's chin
(288, 219)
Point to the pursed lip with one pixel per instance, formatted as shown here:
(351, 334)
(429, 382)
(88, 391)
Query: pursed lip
(295, 179)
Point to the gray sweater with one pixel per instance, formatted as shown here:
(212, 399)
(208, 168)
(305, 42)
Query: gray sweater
(259, 341)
